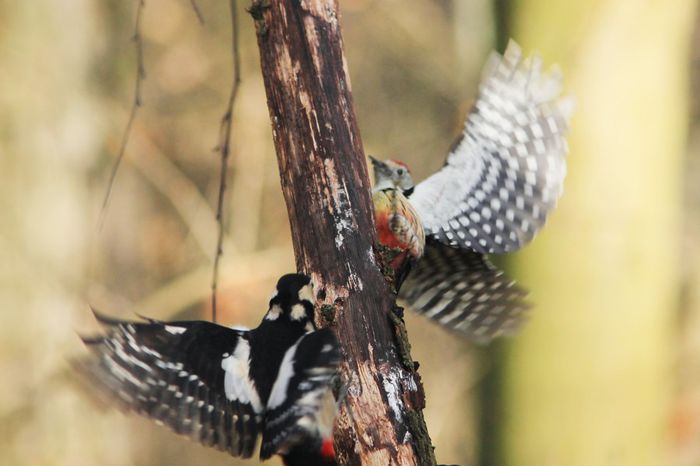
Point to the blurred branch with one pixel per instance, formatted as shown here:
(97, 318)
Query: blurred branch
(387, 20)
(326, 189)
(187, 290)
(177, 189)
(26, 263)
(140, 76)
(503, 12)
(197, 11)
(224, 149)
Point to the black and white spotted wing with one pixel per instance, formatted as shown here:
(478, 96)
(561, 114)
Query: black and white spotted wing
(189, 376)
(462, 291)
(295, 403)
(506, 172)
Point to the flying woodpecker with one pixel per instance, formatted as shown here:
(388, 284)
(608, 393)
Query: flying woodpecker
(225, 387)
(493, 194)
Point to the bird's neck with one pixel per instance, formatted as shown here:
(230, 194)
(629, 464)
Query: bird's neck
(382, 185)
(388, 185)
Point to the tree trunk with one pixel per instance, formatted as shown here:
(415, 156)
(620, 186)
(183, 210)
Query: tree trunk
(327, 191)
(590, 379)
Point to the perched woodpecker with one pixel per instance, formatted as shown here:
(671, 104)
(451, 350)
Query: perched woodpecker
(398, 226)
(225, 387)
(499, 182)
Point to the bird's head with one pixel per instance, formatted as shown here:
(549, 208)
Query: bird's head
(392, 174)
(293, 299)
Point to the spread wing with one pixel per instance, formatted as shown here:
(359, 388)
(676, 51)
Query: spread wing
(506, 172)
(302, 384)
(189, 376)
(462, 291)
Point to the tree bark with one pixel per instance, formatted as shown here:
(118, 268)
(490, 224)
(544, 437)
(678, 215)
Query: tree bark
(327, 191)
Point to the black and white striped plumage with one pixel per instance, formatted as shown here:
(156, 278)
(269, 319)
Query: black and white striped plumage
(224, 387)
(462, 291)
(500, 181)
(506, 172)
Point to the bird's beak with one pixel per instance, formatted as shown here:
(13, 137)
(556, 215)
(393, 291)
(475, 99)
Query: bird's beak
(375, 162)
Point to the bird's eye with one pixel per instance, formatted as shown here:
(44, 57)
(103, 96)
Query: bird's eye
(400, 171)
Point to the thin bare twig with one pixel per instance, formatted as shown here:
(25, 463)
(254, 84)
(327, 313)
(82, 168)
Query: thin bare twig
(197, 11)
(224, 148)
(140, 76)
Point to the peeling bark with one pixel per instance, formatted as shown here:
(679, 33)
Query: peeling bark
(327, 191)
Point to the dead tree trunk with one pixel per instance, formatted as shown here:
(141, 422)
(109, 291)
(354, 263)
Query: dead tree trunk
(327, 191)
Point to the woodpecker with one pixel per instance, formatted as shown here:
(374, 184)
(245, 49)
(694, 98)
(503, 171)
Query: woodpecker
(398, 226)
(225, 387)
(493, 194)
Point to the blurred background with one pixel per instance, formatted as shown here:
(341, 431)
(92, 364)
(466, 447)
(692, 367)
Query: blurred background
(607, 370)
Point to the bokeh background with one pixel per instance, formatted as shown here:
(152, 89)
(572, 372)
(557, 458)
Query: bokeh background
(606, 372)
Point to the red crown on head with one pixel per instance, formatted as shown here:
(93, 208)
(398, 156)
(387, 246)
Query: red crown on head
(399, 162)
